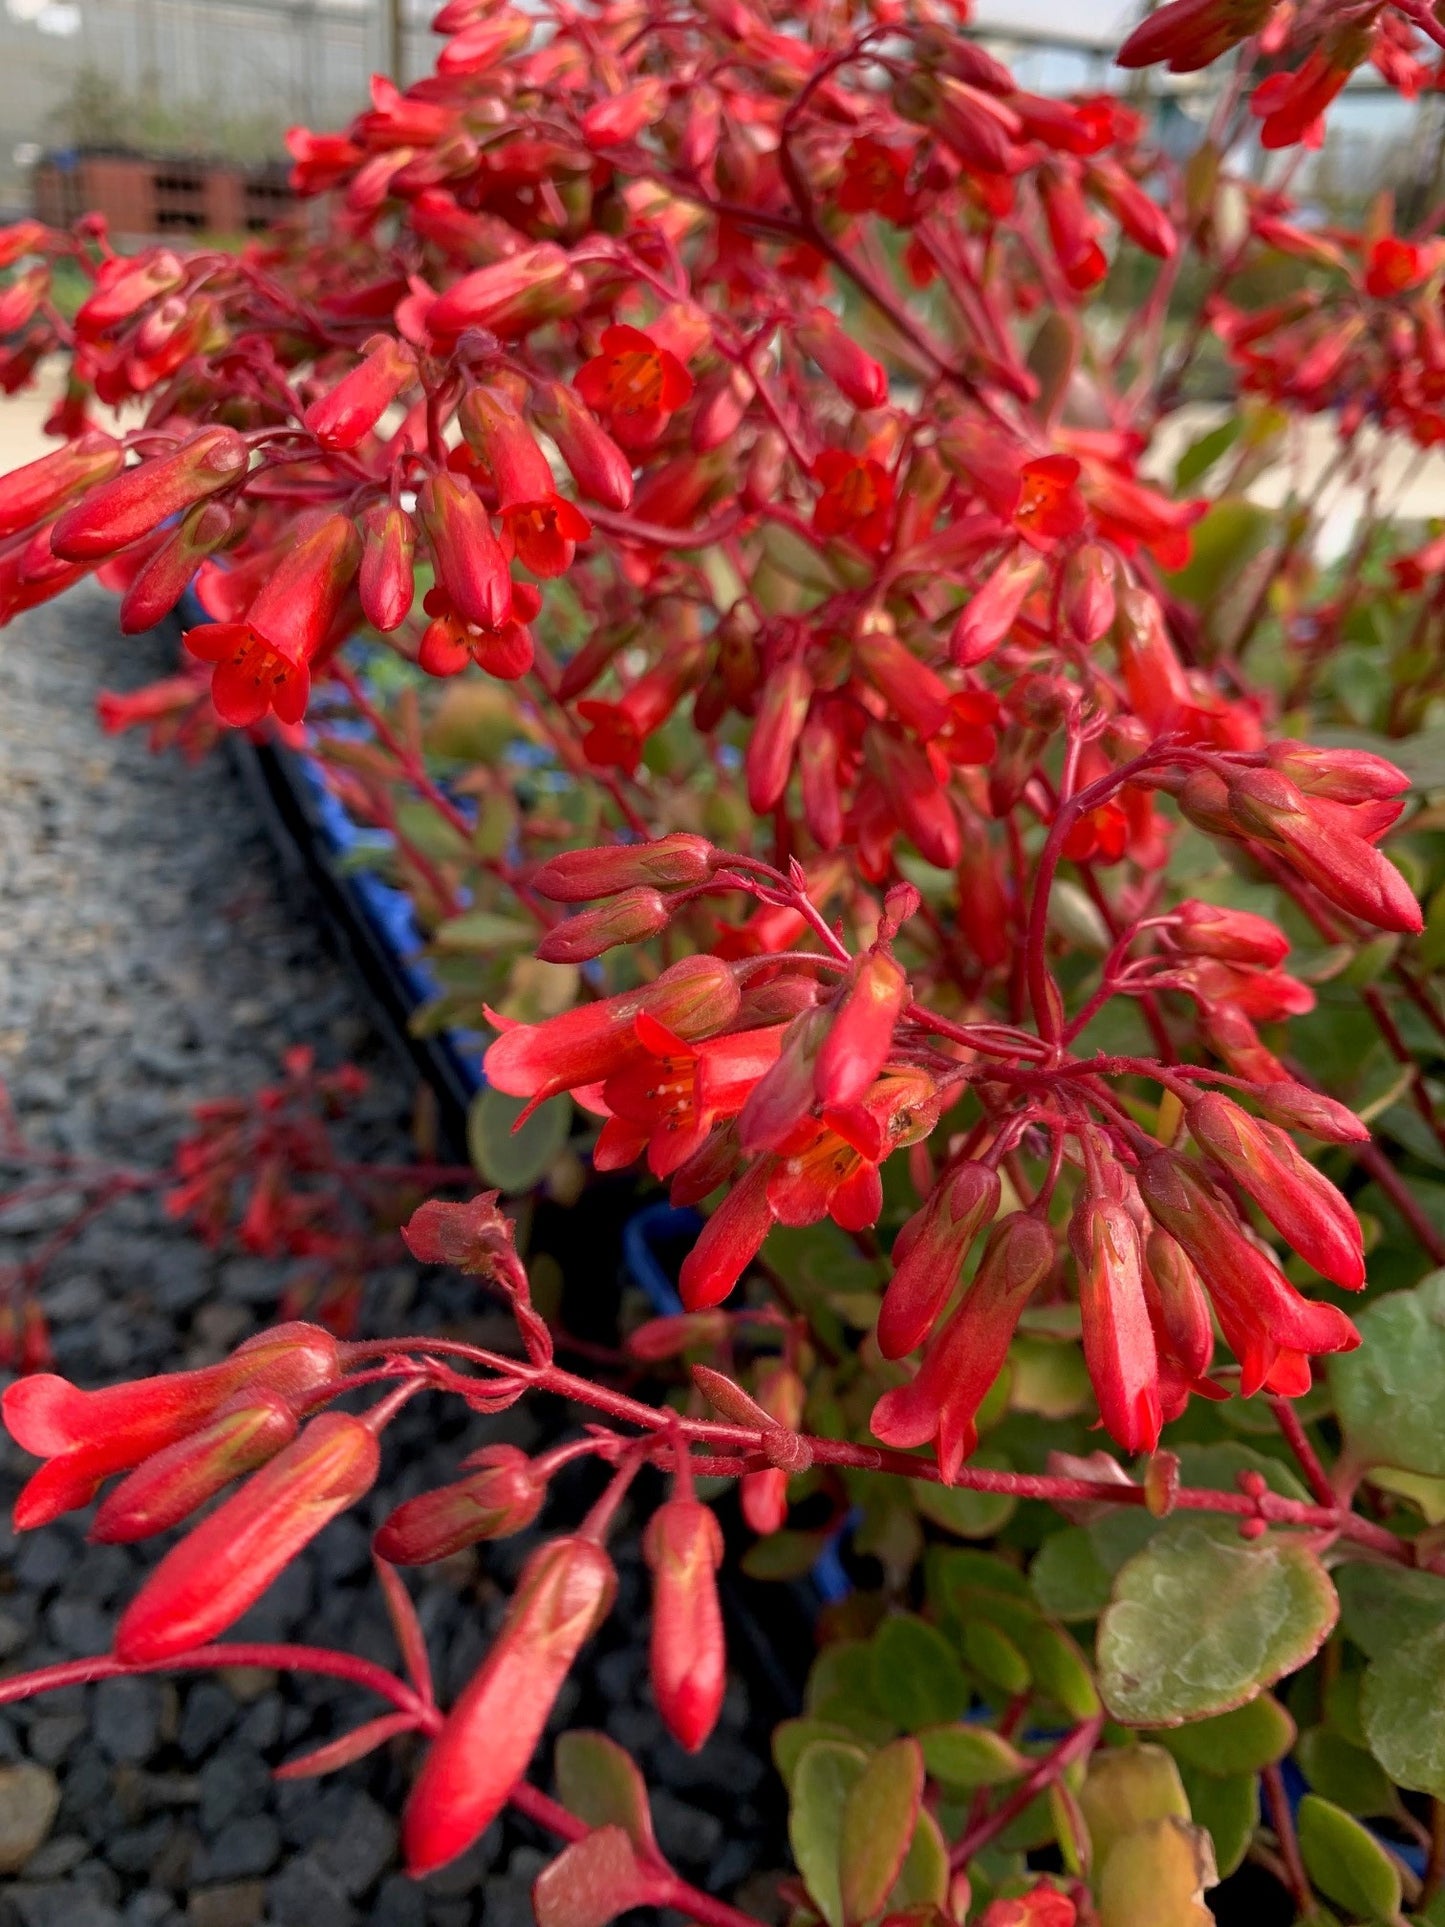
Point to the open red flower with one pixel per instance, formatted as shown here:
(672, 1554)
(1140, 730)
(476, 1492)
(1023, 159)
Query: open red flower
(667, 1100)
(857, 498)
(635, 385)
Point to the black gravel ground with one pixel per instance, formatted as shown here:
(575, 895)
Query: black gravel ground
(150, 958)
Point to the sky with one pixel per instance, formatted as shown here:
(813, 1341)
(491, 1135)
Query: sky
(1104, 20)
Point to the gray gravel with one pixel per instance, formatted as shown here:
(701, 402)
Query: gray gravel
(149, 957)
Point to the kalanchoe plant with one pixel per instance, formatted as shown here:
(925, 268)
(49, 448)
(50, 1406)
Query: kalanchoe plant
(714, 452)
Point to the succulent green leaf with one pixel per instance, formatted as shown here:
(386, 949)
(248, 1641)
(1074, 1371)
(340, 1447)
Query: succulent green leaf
(1402, 1705)
(825, 1775)
(1390, 1394)
(511, 1160)
(601, 1784)
(917, 1681)
(879, 1816)
(1246, 1740)
(1346, 1862)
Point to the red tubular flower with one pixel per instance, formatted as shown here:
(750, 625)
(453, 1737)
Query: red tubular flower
(785, 1097)
(471, 568)
(564, 1593)
(729, 1241)
(1118, 1338)
(40, 488)
(122, 510)
(967, 1355)
(914, 781)
(857, 498)
(694, 998)
(928, 1255)
(919, 699)
(1269, 1327)
(636, 385)
(1298, 1108)
(484, 44)
(668, 1098)
(1301, 1204)
(86, 1436)
(542, 526)
(1289, 106)
(1146, 223)
(347, 413)
(262, 661)
(1337, 775)
(1072, 231)
(320, 161)
(860, 1036)
(1190, 34)
(992, 611)
(222, 1566)
(684, 1548)
(630, 917)
(123, 286)
(1343, 867)
(509, 297)
(617, 732)
(855, 375)
(674, 862)
(875, 181)
(598, 465)
(175, 1481)
(1394, 267)
(622, 117)
(782, 711)
(386, 584)
(1231, 936)
(503, 1496)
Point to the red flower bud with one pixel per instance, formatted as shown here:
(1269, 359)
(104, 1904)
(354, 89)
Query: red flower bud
(679, 1332)
(222, 1566)
(88, 1435)
(967, 1355)
(1072, 231)
(855, 374)
(928, 1254)
(1041, 1906)
(471, 568)
(1179, 1303)
(782, 710)
(1146, 223)
(347, 413)
(386, 582)
(1342, 775)
(689, 1652)
(510, 297)
(729, 1241)
(164, 577)
(564, 1593)
(1189, 34)
(786, 1093)
(1298, 1108)
(860, 1035)
(1345, 868)
(39, 488)
(502, 1497)
(694, 998)
(622, 117)
(1271, 1329)
(1232, 936)
(124, 286)
(1118, 1338)
(485, 44)
(598, 465)
(993, 610)
(674, 862)
(175, 1481)
(629, 917)
(1301, 1204)
(121, 511)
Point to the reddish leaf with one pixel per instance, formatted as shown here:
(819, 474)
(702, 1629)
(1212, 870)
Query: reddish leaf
(351, 1746)
(594, 1880)
(409, 1636)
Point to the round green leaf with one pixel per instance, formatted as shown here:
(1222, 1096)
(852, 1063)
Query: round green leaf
(1381, 1607)
(924, 1879)
(1390, 1394)
(1347, 1774)
(968, 1757)
(792, 1738)
(1402, 1704)
(1346, 1862)
(1227, 1809)
(601, 1784)
(515, 1160)
(1201, 1621)
(1073, 1574)
(917, 1681)
(995, 1658)
(1247, 1740)
(826, 1774)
